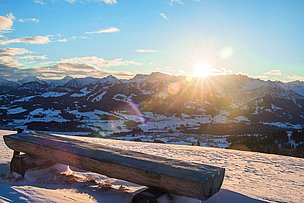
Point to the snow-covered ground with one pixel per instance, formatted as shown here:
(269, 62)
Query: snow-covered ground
(250, 177)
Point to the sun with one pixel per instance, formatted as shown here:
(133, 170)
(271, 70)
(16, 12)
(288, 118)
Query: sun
(202, 70)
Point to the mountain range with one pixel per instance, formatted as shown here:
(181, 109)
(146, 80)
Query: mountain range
(155, 103)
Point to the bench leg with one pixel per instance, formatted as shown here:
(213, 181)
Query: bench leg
(24, 162)
(149, 195)
(10, 174)
(16, 153)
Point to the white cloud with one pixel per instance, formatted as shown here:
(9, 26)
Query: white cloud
(28, 20)
(164, 16)
(6, 22)
(104, 30)
(274, 72)
(100, 62)
(176, 1)
(146, 50)
(27, 40)
(38, 1)
(111, 2)
(62, 40)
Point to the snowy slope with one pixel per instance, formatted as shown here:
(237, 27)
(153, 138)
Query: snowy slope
(7, 83)
(250, 177)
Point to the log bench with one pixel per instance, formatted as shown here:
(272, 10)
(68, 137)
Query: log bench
(159, 174)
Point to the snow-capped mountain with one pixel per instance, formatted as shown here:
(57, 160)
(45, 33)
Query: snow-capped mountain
(110, 80)
(30, 79)
(82, 82)
(297, 87)
(63, 81)
(7, 83)
(229, 104)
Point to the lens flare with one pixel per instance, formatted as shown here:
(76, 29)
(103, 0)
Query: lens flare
(135, 109)
(174, 88)
(226, 53)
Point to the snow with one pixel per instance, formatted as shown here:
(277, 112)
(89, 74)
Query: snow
(275, 108)
(121, 97)
(94, 115)
(99, 97)
(241, 119)
(299, 90)
(219, 119)
(135, 118)
(16, 110)
(146, 92)
(297, 87)
(24, 99)
(110, 80)
(161, 123)
(56, 83)
(84, 92)
(30, 79)
(41, 115)
(284, 125)
(53, 94)
(250, 177)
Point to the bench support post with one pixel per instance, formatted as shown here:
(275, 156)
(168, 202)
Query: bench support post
(15, 154)
(149, 195)
(21, 163)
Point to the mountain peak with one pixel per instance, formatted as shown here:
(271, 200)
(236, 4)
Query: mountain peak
(30, 79)
(67, 77)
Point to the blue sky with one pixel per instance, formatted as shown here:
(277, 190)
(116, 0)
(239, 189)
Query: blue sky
(53, 38)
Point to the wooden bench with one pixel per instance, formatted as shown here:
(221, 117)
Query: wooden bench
(181, 178)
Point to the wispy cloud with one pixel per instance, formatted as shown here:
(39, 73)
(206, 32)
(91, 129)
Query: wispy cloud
(38, 1)
(180, 1)
(28, 20)
(66, 67)
(8, 56)
(75, 70)
(27, 40)
(62, 40)
(176, 1)
(104, 30)
(10, 61)
(13, 57)
(13, 51)
(32, 57)
(70, 1)
(6, 22)
(274, 72)
(100, 62)
(146, 50)
(164, 16)
(111, 2)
